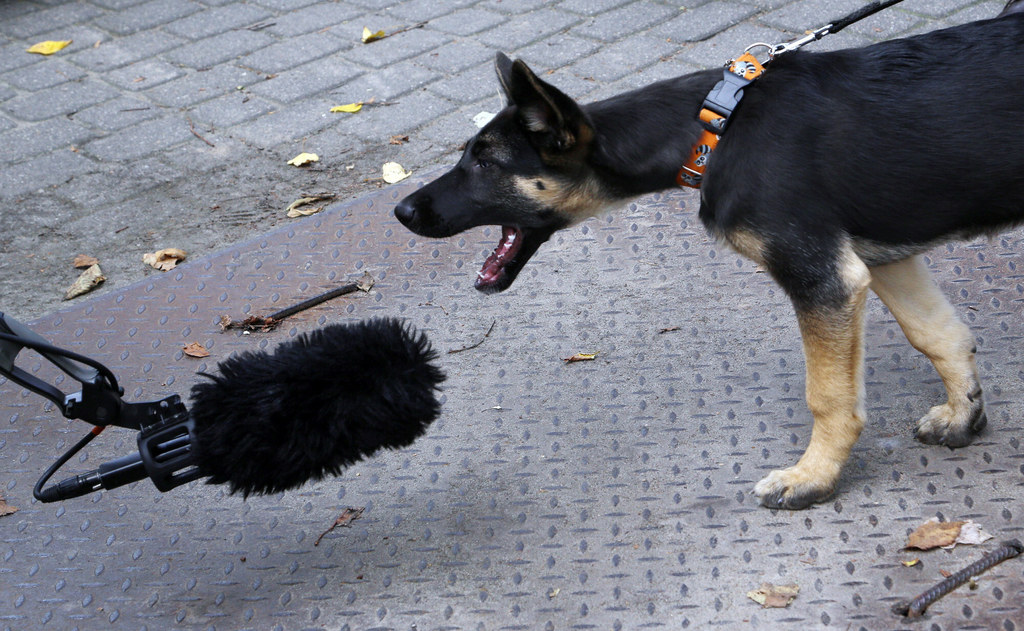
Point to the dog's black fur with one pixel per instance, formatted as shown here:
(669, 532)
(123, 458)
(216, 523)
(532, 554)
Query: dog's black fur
(837, 170)
(320, 402)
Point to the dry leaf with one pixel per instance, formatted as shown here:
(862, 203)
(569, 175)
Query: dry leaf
(399, 140)
(777, 596)
(580, 357)
(345, 519)
(305, 211)
(164, 259)
(296, 208)
(370, 36)
(303, 159)
(366, 282)
(86, 282)
(933, 534)
(351, 108)
(195, 349)
(251, 323)
(83, 261)
(970, 534)
(48, 47)
(5, 508)
(394, 172)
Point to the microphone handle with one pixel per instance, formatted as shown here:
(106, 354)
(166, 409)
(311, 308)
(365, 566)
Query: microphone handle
(109, 475)
(164, 456)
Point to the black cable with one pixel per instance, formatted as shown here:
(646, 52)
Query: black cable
(37, 492)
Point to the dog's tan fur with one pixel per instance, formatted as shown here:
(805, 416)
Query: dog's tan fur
(577, 200)
(833, 342)
(932, 327)
(747, 244)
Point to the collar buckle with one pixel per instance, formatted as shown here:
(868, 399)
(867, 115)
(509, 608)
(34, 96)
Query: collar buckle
(714, 114)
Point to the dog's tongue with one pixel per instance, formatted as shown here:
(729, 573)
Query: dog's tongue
(492, 271)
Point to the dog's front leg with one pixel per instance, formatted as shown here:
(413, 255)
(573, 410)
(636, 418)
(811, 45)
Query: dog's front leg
(932, 326)
(833, 340)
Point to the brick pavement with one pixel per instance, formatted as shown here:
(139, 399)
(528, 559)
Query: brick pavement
(169, 122)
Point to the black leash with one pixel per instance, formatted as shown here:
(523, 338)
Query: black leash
(833, 27)
(861, 13)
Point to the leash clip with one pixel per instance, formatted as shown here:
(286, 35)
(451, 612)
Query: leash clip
(797, 44)
(770, 48)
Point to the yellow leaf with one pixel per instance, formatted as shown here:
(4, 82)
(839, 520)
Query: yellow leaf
(370, 36)
(351, 108)
(911, 563)
(394, 172)
(580, 357)
(165, 259)
(304, 159)
(48, 47)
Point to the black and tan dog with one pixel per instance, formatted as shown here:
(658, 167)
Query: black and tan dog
(836, 172)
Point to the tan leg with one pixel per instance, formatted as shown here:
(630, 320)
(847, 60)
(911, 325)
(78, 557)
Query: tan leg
(834, 350)
(932, 326)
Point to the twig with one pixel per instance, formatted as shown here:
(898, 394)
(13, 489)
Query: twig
(314, 301)
(192, 127)
(346, 518)
(468, 348)
(407, 28)
(917, 607)
(268, 323)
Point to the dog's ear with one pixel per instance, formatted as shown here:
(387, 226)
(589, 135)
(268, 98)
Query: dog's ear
(555, 122)
(503, 68)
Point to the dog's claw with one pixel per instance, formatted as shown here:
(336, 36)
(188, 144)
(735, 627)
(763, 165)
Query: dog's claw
(784, 489)
(945, 426)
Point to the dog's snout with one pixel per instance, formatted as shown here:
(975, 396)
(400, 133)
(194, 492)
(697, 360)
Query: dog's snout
(405, 211)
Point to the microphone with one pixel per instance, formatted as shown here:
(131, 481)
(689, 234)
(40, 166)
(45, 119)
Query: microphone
(270, 422)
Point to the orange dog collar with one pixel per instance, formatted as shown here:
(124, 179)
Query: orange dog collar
(714, 115)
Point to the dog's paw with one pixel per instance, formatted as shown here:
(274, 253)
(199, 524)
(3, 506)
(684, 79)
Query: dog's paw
(794, 488)
(946, 425)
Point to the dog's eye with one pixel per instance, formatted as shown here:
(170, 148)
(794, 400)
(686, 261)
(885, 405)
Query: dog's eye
(483, 164)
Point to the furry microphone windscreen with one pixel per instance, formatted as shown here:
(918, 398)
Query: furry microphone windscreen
(320, 402)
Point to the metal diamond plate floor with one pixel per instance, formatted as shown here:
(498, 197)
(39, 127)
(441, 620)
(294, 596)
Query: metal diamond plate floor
(611, 494)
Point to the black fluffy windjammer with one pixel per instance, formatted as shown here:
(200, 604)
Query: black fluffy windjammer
(320, 402)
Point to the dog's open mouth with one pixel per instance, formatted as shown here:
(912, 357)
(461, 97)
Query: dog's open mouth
(501, 267)
(516, 247)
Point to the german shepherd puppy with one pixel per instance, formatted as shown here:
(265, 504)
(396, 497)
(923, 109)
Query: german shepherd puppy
(837, 170)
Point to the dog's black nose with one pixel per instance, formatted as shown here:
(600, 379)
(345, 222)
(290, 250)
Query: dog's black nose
(405, 211)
